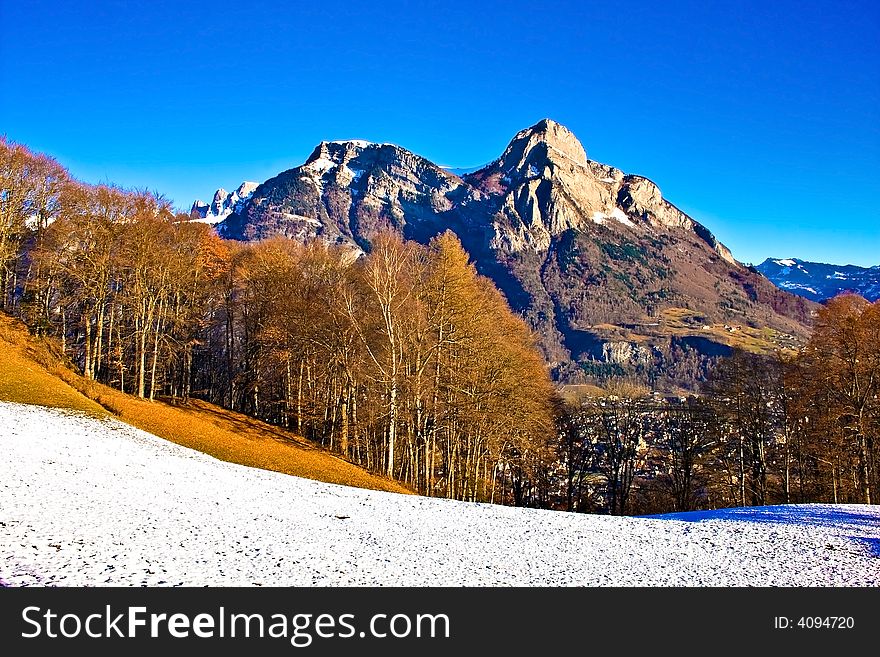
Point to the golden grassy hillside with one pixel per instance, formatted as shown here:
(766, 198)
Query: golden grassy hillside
(32, 371)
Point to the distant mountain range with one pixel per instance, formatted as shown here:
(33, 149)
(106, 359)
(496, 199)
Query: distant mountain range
(818, 281)
(614, 278)
(223, 204)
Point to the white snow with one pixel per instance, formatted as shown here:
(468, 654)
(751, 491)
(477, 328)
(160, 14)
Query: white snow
(786, 262)
(617, 214)
(321, 164)
(97, 502)
(360, 143)
(34, 221)
(789, 285)
(231, 202)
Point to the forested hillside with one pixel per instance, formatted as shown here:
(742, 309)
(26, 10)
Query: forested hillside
(408, 362)
(405, 361)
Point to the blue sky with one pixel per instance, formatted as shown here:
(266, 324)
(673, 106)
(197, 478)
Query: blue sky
(761, 119)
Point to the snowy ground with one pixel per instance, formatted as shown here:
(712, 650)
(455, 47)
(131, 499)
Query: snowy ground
(91, 502)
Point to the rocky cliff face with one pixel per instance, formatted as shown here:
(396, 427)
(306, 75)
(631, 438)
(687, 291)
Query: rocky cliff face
(549, 186)
(347, 192)
(222, 205)
(580, 248)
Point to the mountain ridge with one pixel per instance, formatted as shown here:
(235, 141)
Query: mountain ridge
(222, 205)
(590, 256)
(819, 281)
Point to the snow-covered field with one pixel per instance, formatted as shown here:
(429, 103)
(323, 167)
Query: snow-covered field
(91, 502)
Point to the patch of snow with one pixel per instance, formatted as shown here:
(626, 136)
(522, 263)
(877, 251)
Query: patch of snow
(788, 285)
(225, 205)
(33, 222)
(619, 214)
(321, 164)
(97, 502)
(360, 143)
(786, 262)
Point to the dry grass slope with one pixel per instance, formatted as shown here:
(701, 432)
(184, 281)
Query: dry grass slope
(764, 341)
(24, 377)
(32, 371)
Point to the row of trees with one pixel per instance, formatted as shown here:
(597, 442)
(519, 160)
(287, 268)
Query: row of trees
(403, 360)
(764, 431)
(406, 361)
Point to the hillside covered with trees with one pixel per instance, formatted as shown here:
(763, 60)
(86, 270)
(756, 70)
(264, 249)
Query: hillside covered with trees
(406, 361)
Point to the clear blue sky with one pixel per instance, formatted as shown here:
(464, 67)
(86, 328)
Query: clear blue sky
(761, 119)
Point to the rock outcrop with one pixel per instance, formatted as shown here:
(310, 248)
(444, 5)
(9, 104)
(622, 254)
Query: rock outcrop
(576, 245)
(222, 205)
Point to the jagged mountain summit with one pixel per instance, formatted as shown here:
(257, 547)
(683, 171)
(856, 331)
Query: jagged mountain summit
(819, 281)
(222, 205)
(612, 276)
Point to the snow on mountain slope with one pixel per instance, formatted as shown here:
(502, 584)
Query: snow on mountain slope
(583, 251)
(97, 502)
(223, 204)
(819, 281)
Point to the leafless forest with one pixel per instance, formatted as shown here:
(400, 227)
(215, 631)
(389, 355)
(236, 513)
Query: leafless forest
(404, 360)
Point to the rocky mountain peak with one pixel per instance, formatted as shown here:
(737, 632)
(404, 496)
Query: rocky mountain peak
(245, 189)
(546, 140)
(328, 154)
(589, 255)
(222, 204)
(217, 203)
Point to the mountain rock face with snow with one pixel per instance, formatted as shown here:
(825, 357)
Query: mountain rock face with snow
(592, 257)
(223, 204)
(818, 281)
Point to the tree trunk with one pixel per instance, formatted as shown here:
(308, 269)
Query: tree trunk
(392, 423)
(155, 352)
(299, 396)
(864, 479)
